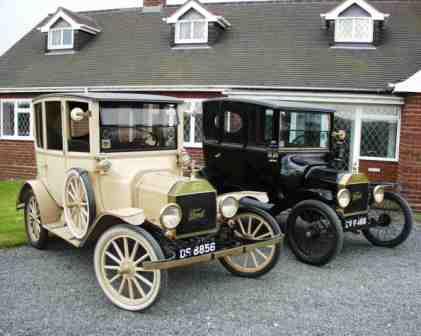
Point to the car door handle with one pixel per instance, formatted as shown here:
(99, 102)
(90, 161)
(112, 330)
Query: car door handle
(217, 155)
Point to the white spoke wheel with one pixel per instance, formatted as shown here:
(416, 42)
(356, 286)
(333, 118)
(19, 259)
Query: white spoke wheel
(118, 259)
(78, 202)
(253, 225)
(37, 235)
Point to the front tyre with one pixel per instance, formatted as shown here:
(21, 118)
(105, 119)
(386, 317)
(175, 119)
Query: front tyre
(117, 259)
(253, 224)
(314, 232)
(394, 221)
(37, 235)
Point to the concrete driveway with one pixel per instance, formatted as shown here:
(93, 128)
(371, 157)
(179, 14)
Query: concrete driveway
(365, 291)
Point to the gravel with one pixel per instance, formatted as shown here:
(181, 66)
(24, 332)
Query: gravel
(365, 291)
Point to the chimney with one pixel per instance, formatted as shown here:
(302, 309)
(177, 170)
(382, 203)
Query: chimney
(150, 6)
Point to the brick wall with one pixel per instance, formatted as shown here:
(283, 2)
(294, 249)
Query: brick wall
(409, 172)
(17, 159)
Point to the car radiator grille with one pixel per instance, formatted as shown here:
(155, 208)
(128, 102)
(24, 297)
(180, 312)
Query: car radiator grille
(360, 197)
(199, 213)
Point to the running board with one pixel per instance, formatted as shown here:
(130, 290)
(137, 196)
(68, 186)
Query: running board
(236, 251)
(60, 230)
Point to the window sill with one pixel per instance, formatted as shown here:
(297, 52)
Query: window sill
(60, 52)
(368, 158)
(15, 138)
(353, 47)
(193, 145)
(190, 47)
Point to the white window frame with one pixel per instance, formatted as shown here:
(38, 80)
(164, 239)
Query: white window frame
(376, 117)
(192, 40)
(192, 117)
(61, 45)
(369, 39)
(17, 112)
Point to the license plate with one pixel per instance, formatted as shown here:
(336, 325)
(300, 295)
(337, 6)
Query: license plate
(197, 250)
(356, 222)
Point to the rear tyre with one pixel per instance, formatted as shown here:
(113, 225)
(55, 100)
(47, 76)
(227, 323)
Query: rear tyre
(253, 224)
(395, 221)
(118, 257)
(314, 232)
(37, 235)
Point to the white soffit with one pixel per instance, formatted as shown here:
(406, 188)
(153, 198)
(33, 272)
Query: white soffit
(60, 14)
(411, 85)
(374, 13)
(194, 5)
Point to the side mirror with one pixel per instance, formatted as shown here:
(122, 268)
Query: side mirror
(77, 114)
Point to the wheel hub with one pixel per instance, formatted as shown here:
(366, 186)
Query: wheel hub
(384, 220)
(127, 268)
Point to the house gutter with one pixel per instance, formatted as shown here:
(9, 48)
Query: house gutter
(208, 88)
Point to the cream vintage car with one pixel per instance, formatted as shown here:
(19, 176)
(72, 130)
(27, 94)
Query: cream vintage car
(110, 170)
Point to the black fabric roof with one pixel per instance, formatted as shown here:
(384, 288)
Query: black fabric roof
(279, 43)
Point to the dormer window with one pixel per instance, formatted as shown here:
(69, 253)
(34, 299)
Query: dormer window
(66, 31)
(191, 31)
(354, 23)
(60, 38)
(192, 24)
(354, 29)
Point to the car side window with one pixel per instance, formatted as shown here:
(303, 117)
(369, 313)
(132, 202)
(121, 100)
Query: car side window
(260, 131)
(54, 125)
(78, 134)
(39, 125)
(233, 122)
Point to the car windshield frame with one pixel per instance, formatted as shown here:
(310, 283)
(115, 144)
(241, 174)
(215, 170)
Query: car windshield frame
(304, 135)
(131, 126)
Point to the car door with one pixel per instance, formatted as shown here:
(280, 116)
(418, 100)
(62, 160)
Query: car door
(261, 151)
(54, 158)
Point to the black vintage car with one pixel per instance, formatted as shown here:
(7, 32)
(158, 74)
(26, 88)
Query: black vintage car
(293, 153)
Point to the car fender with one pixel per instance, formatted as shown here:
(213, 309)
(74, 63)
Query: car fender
(132, 216)
(239, 195)
(49, 210)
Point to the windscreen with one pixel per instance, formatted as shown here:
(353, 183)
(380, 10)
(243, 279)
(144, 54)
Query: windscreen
(134, 126)
(305, 130)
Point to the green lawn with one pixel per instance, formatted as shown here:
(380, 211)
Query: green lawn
(12, 230)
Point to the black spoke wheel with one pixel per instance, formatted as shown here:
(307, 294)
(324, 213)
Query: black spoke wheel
(314, 232)
(393, 219)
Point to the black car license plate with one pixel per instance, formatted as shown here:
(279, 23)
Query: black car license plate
(197, 250)
(356, 222)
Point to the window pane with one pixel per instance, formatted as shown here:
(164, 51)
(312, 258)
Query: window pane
(55, 37)
(343, 29)
(128, 126)
(67, 37)
(362, 29)
(24, 125)
(38, 125)
(198, 121)
(78, 131)
(9, 119)
(302, 129)
(378, 138)
(187, 127)
(260, 125)
(232, 122)
(184, 30)
(199, 30)
(23, 105)
(54, 127)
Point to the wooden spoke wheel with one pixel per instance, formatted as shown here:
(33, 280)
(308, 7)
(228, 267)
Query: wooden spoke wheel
(253, 225)
(79, 205)
(37, 235)
(119, 254)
